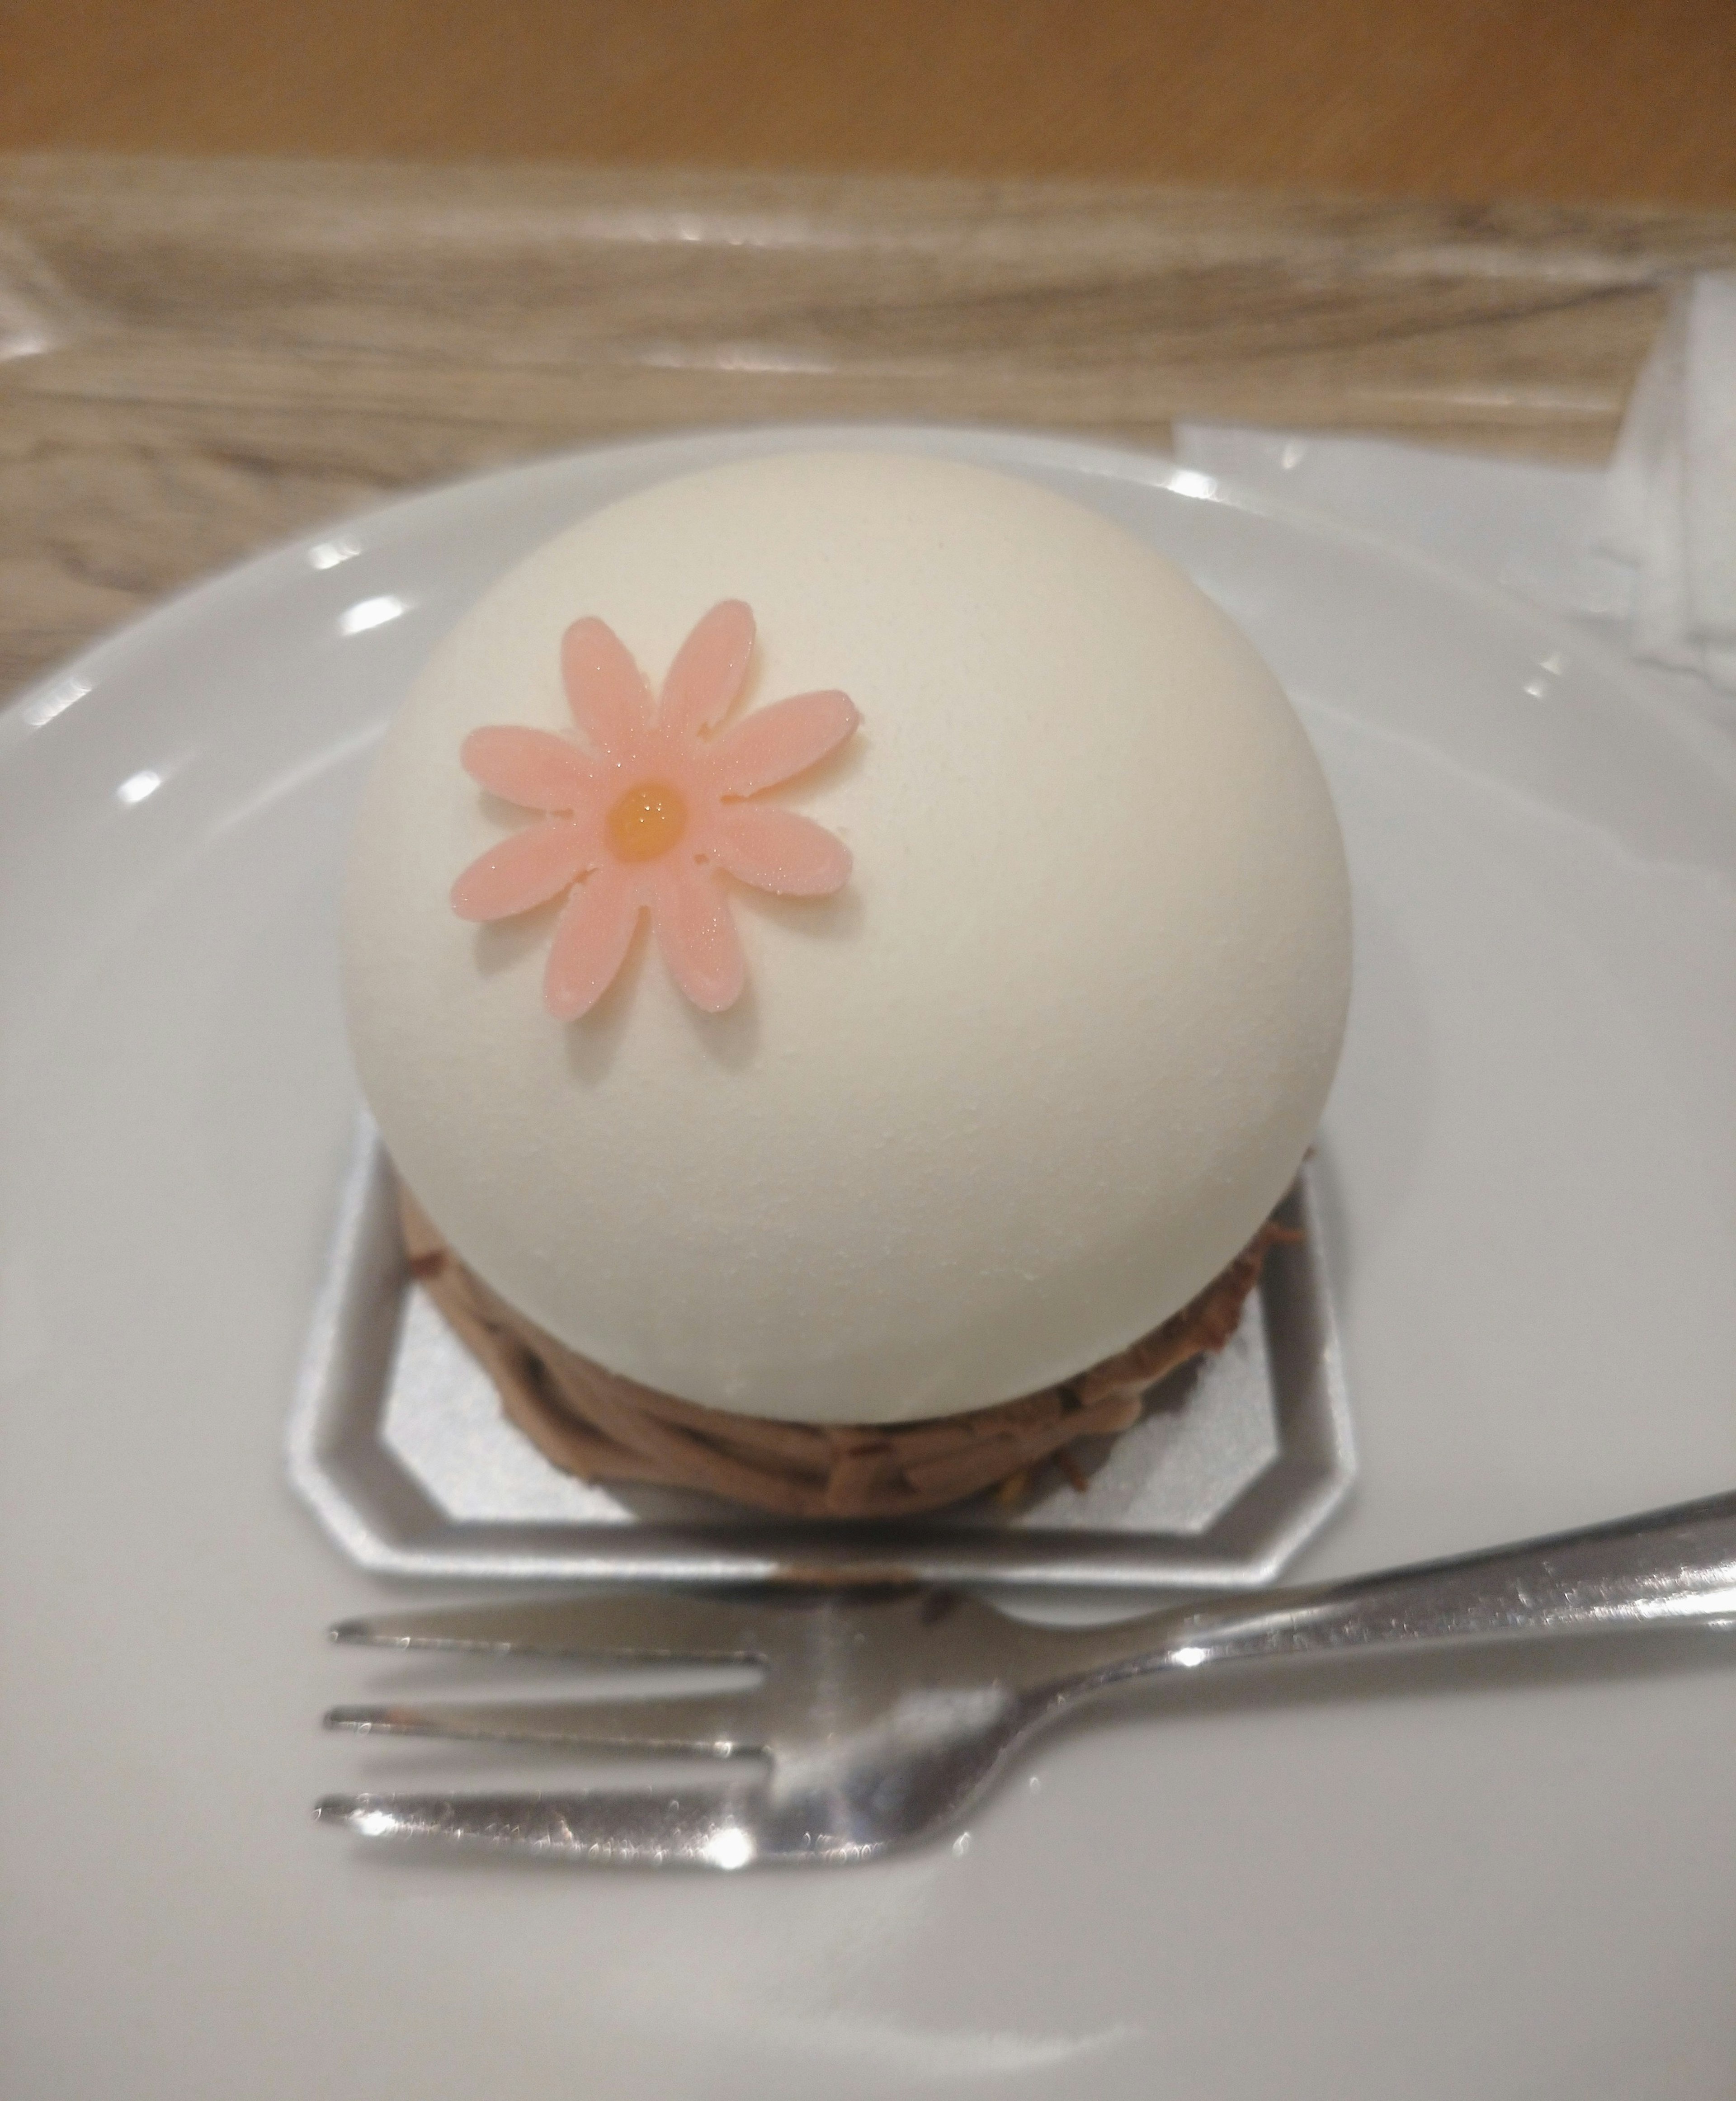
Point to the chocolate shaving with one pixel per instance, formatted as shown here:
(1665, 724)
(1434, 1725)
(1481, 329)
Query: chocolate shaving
(600, 1426)
(1078, 1479)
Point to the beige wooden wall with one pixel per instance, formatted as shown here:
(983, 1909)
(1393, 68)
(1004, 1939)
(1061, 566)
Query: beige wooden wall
(1568, 100)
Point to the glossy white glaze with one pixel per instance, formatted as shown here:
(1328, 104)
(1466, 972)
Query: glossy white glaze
(987, 1116)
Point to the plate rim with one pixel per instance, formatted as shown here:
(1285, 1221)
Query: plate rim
(1094, 455)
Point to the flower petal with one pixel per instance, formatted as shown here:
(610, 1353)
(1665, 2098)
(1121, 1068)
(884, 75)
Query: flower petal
(696, 935)
(606, 690)
(708, 671)
(525, 869)
(777, 849)
(591, 939)
(533, 768)
(774, 743)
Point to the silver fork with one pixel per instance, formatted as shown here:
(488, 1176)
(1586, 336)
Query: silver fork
(885, 1713)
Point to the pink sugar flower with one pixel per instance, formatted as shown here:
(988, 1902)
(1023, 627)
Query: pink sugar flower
(656, 814)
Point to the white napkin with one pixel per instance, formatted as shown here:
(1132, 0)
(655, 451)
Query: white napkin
(1668, 509)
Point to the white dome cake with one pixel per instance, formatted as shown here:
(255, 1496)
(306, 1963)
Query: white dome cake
(1019, 1086)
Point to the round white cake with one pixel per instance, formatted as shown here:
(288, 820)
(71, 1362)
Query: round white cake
(984, 1115)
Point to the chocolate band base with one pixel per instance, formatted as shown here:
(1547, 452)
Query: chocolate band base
(593, 1423)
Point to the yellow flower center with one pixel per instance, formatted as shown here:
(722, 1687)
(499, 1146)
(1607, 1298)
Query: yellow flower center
(646, 821)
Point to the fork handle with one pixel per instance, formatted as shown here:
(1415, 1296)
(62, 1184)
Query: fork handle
(1671, 1568)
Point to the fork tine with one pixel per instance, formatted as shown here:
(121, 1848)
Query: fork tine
(713, 1828)
(716, 1726)
(668, 1627)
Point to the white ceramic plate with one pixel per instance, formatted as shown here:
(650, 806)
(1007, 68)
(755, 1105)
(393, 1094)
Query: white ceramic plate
(1503, 1881)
